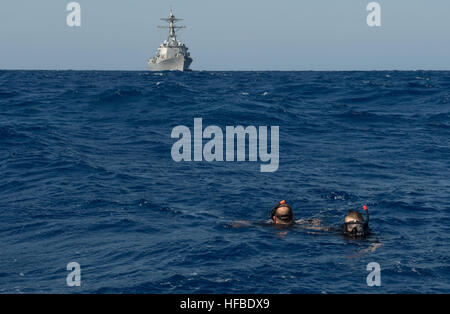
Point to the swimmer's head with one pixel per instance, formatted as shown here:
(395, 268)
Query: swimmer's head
(353, 216)
(282, 214)
(354, 224)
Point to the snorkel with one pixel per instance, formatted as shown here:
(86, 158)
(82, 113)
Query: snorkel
(366, 210)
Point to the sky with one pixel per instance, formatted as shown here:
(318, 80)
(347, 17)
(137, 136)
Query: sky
(228, 34)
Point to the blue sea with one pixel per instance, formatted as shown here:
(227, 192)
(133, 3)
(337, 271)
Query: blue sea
(87, 176)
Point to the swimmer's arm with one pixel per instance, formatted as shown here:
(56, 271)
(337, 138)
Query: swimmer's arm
(309, 222)
(318, 228)
(240, 224)
(374, 246)
(314, 224)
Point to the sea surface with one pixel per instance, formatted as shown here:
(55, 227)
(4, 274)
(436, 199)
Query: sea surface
(87, 176)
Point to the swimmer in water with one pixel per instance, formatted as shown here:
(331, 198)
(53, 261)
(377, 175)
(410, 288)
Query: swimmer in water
(354, 227)
(354, 224)
(282, 214)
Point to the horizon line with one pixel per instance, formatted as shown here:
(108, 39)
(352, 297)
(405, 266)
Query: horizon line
(293, 70)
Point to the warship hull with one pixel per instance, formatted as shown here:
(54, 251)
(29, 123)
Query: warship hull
(179, 63)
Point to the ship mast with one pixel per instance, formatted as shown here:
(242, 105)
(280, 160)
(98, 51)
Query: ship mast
(171, 20)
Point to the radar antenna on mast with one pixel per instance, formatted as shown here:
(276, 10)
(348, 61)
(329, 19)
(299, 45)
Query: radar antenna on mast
(171, 19)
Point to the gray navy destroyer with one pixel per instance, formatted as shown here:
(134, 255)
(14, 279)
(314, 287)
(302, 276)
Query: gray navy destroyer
(172, 54)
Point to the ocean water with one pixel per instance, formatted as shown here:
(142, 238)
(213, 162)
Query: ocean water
(87, 176)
